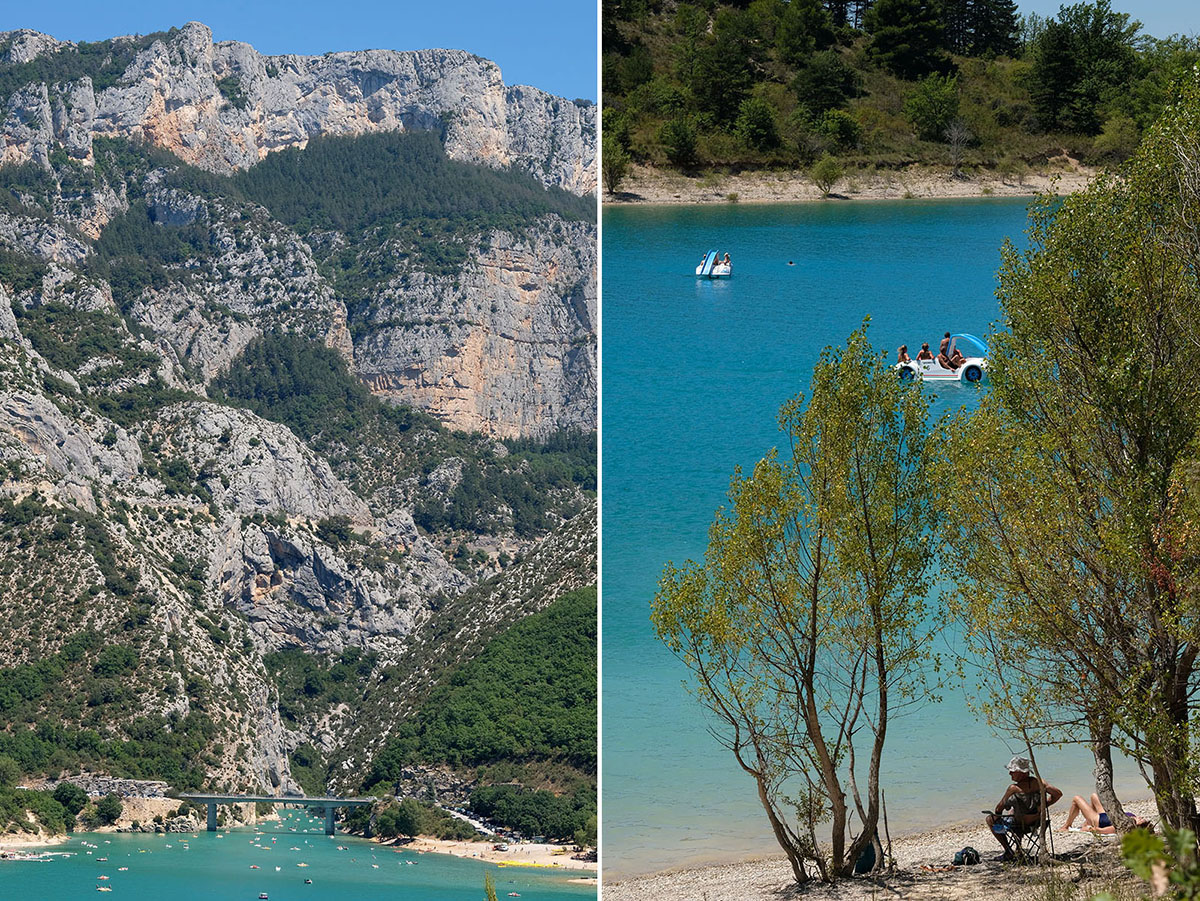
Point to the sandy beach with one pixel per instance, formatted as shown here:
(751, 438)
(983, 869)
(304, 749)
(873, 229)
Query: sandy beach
(27, 841)
(923, 871)
(646, 185)
(524, 854)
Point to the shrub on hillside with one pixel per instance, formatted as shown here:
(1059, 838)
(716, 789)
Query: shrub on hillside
(932, 106)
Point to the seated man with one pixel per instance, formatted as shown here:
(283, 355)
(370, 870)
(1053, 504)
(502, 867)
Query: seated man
(1096, 820)
(1024, 797)
(925, 353)
(957, 359)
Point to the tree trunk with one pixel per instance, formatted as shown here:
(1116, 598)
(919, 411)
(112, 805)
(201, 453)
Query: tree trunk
(795, 858)
(1170, 755)
(1103, 772)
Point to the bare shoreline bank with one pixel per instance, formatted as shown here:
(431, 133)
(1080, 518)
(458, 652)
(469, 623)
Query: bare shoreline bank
(923, 870)
(645, 185)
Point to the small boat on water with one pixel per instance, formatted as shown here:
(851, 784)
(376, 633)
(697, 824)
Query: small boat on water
(971, 369)
(712, 267)
(263, 896)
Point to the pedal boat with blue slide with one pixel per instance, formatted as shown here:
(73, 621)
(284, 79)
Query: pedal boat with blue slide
(972, 369)
(711, 267)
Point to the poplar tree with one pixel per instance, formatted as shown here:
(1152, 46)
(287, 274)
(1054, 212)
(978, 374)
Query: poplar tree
(1071, 493)
(804, 628)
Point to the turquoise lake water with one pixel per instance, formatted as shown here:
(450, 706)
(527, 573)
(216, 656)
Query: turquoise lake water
(208, 867)
(694, 373)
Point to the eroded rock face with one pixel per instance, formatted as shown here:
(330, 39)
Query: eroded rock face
(255, 466)
(507, 347)
(27, 45)
(298, 592)
(66, 447)
(225, 106)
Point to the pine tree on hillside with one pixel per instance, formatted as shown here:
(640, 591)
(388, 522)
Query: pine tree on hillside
(995, 24)
(907, 37)
(956, 22)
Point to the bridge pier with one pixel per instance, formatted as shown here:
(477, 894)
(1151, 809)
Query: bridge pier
(315, 806)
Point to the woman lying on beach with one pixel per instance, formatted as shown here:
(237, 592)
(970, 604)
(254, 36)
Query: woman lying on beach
(1097, 820)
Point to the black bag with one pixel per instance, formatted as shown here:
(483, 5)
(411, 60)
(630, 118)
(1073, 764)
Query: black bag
(967, 855)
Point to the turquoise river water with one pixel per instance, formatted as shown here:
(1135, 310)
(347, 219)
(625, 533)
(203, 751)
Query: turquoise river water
(240, 864)
(694, 373)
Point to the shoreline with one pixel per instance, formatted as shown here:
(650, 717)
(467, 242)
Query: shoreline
(527, 854)
(648, 186)
(923, 870)
(538, 856)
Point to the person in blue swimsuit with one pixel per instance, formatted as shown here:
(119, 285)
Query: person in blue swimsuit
(1095, 817)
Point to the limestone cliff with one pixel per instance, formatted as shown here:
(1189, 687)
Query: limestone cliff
(225, 106)
(504, 344)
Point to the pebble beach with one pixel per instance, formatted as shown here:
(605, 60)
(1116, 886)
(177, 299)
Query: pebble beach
(922, 869)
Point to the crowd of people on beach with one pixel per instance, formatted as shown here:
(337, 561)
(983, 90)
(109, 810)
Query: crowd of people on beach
(947, 358)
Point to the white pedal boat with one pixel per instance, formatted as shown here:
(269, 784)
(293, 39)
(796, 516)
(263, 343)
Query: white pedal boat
(710, 267)
(972, 368)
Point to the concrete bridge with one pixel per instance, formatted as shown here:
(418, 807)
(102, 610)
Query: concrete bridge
(326, 805)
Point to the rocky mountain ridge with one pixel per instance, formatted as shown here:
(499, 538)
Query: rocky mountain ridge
(503, 341)
(225, 106)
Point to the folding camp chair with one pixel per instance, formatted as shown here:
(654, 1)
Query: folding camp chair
(1025, 840)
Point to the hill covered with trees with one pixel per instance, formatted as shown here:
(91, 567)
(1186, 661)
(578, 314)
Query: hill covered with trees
(878, 83)
(522, 713)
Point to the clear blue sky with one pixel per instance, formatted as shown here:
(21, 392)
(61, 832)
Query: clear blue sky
(1159, 18)
(550, 44)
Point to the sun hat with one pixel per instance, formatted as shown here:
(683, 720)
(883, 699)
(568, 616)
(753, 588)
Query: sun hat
(1020, 765)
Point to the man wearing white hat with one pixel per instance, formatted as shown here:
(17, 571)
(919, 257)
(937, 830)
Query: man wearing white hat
(1024, 798)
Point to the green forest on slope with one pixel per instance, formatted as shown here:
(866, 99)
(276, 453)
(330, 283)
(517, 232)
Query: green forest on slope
(879, 83)
(356, 183)
(526, 705)
(394, 188)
